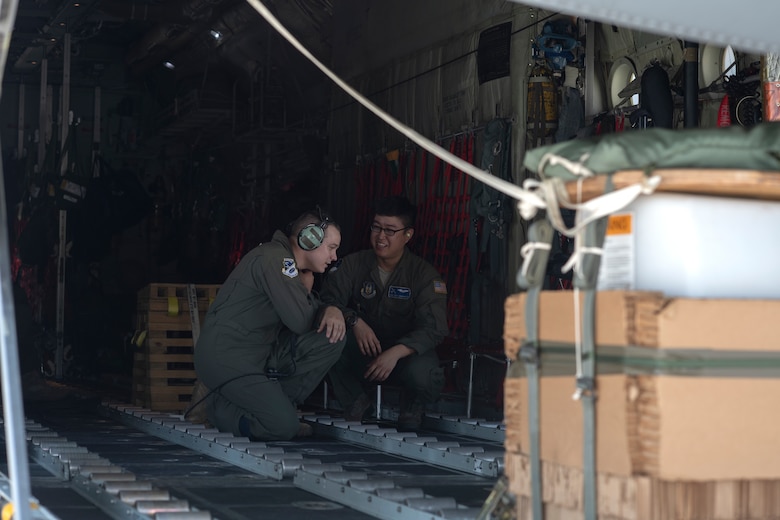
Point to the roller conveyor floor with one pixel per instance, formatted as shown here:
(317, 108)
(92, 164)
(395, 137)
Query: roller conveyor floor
(111, 460)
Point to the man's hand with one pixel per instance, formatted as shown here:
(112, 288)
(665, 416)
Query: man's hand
(332, 323)
(382, 366)
(367, 341)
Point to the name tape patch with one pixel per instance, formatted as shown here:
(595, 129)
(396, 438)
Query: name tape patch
(399, 293)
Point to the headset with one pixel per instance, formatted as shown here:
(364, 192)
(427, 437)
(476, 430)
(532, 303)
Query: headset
(312, 235)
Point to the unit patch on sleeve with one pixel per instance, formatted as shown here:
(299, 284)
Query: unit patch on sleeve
(288, 268)
(399, 293)
(439, 287)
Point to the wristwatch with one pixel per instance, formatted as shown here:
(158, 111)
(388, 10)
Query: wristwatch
(350, 318)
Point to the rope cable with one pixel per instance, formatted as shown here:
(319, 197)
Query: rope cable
(505, 187)
(531, 197)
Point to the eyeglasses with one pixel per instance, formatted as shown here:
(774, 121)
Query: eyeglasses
(376, 228)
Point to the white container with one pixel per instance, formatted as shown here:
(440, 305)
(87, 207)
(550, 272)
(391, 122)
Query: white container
(695, 247)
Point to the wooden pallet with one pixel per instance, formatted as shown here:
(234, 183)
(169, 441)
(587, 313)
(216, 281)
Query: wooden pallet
(163, 369)
(748, 184)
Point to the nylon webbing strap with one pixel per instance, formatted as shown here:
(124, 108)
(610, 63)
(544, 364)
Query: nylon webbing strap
(585, 278)
(531, 277)
(634, 360)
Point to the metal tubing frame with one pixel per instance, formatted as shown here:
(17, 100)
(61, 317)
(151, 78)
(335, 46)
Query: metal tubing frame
(96, 131)
(378, 402)
(20, 123)
(63, 214)
(691, 84)
(13, 408)
(472, 356)
(43, 114)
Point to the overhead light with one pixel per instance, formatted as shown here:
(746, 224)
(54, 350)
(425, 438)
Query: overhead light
(215, 34)
(169, 65)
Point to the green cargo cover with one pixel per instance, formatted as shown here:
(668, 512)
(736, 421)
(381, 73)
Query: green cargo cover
(735, 147)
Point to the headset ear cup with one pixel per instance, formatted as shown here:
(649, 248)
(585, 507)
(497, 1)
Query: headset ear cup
(311, 237)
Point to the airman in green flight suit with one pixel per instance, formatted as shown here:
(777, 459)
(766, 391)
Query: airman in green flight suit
(263, 349)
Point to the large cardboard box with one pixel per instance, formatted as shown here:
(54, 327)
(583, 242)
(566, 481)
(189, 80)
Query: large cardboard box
(672, 427)
(641, 497)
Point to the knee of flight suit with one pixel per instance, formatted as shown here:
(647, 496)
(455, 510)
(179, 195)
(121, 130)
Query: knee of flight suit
(282, 428)
(424, 374)
(336, 349)
(317, 344)
(285, 429)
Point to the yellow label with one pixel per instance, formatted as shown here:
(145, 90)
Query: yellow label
(619, 225)
(173, 306)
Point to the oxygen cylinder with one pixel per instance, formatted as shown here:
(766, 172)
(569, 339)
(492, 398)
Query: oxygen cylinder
(542, 113)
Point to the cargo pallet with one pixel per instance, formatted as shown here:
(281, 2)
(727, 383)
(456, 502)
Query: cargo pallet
(163, 368)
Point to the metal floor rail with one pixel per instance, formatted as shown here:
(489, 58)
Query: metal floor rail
(480, 458)
(108, 486)
(368, 477)
(473, 427)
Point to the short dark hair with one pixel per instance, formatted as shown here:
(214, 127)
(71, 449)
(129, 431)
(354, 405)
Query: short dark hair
(314, 216)
(397, 206)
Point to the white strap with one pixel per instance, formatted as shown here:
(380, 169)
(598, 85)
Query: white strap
(527, 252)
(530, 200)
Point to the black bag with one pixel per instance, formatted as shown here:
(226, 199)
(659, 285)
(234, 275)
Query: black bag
(69, 191)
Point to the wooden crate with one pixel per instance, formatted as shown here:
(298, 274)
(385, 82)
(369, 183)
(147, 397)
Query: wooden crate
(163, 369)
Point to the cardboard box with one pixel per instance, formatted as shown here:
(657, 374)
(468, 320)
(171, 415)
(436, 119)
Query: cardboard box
(641, 497)
(669, 427)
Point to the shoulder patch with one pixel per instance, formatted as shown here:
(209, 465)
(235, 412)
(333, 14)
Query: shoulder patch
(288, 268)
(439, 287)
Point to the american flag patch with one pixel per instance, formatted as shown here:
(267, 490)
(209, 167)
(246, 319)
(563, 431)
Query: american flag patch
(439, 287)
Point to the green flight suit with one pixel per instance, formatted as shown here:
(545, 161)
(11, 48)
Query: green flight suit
(261, 321)
(410, 309)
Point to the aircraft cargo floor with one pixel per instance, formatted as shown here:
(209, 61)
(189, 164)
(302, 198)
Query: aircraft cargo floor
(96, 460)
